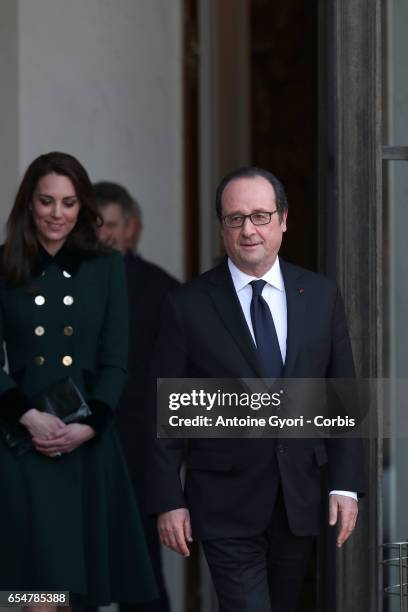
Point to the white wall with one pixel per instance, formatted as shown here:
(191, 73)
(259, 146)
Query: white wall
(102, 79)
(8, 106)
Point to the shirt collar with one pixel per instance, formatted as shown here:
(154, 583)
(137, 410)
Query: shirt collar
(273, 276)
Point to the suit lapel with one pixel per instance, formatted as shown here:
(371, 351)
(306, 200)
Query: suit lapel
(296, 297)
(226, 303)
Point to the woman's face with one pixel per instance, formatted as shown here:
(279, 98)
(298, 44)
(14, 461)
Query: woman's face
(55, 208)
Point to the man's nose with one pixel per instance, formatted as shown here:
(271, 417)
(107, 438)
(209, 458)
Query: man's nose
(248, 228)
(105, 236)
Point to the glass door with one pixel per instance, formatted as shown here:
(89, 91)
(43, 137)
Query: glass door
(395, 181)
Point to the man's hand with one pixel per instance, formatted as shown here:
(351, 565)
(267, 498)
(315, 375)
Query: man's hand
(175, 530)
(68, 440)
(347, 507)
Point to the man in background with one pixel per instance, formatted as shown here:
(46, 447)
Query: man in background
(147, 286)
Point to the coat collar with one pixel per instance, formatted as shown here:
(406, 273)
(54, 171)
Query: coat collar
(132, 259)
(296, 298)
(226, 302)
(67, 258)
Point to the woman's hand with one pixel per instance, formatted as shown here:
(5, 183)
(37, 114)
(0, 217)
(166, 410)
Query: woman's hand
(73, 436)
(42, 425)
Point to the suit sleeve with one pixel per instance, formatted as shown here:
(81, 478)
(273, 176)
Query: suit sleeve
(346, 456)
(163, 487)
(112, 350)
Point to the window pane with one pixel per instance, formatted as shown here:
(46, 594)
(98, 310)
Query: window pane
(396, 81)
(396, 448)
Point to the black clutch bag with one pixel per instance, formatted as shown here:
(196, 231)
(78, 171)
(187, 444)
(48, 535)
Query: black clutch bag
(63, 399)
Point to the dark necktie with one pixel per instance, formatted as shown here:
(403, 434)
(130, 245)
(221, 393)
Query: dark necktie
(265, 333)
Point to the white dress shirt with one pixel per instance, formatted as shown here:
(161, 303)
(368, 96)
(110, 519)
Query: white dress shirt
(273, 293)
(275, 296)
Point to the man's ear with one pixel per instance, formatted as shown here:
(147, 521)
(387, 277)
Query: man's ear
(283, 222)
(132, 233)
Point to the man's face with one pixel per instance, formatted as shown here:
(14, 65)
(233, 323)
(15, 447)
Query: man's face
(252, 248)
(113, 232)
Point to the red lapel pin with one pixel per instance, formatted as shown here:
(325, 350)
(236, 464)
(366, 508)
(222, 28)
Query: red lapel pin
(301, 290)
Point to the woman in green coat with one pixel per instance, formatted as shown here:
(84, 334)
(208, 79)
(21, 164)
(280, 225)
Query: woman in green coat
(68, 518)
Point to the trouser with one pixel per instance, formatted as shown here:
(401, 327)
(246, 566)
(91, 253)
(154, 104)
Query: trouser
(262, 573)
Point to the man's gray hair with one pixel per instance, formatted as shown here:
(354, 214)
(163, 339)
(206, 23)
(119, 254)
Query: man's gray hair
(113, 193)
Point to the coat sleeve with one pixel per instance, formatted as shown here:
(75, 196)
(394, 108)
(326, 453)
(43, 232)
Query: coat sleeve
(346, 454)
(112, 350)
(163, 489)
(13, 403)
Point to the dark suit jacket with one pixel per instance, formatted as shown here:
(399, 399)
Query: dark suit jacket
(231, 484)
(147, 286)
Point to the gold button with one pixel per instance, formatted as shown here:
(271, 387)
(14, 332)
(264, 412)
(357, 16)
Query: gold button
(68, 330)
(39, 330)
(66, 274)
(39, 360)
(67, 360)
(39, 300)
(68, 300)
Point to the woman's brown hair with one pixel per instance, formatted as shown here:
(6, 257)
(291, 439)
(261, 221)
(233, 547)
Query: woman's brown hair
(20, 250)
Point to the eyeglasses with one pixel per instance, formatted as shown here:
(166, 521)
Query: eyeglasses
(257, 218)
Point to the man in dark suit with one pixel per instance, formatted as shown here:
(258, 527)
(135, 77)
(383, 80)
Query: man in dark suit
(255, 504)
(147, 286)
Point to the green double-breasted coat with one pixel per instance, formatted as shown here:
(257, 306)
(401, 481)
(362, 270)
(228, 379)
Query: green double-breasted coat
(69, 522)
